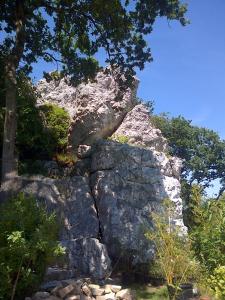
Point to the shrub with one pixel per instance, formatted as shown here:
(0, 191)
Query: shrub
(28, 243)
(42, 130)
(56, 124)
(217, 282)
(173, 249)
(66, 159)
(208, 237)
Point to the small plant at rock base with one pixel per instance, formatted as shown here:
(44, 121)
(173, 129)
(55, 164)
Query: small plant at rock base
(28, 243)
(122, 139)
(173, 250)
(66, 159)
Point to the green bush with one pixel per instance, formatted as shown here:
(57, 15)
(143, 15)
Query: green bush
(42, 130)
(28, 243)
(217, 282)
(208, 237)
(56, 124)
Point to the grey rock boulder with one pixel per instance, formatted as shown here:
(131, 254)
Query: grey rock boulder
(59, 92)
(74, 205)
(101, 107)
(139, 130)
(95, 263)
(96, 108)
(128, 183)
(70, 198)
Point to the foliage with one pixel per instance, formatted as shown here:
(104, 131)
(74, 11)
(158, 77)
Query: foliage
(28, 243)
(72, 32)
(122, 139)
(208, 237)
(201, 149)
(56, 124)
(66, 159)
(217, 282)
(145, 292)
(192, 207)
(149, 104)
(203, 155)
(30, 167)
(42, 130)
(173, 249)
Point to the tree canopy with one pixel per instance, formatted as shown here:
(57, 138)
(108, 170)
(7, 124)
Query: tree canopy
(201, 149)
(71, 32)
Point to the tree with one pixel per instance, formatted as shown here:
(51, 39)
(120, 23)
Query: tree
(70, 32)
(201, 149)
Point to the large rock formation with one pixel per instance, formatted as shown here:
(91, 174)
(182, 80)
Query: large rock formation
(129, 181)
(107, 209)
(97, 108)
(74, 205)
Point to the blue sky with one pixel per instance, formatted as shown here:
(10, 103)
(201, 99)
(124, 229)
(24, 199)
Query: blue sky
(187, 76)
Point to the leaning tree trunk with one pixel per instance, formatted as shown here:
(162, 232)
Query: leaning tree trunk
(9, 166)
(8, 151)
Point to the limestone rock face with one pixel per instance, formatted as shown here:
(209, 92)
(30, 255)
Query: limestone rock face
(137, 127)
(95, 260)
(58, 92)
(101, 108)
(129, 182)
(74, 205)
(97, 108)
(106, 207)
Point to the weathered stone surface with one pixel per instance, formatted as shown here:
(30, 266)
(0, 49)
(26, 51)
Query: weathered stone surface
(84, 151)
(66, 290)
(96, 262)
(101, 108)
(110, 296)
(137, 127)
(74, 205)
(74, 297)
(128, 182)
(53, 298)
(97, 291)
(70, 197)
(55, 291)
(58, 92)
(114, 288)
(41, 295)
(86, 290)
(84, 297)
(54, 274)
(125, 294)
(97, 108)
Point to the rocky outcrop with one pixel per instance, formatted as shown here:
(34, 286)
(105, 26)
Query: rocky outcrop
(101, 107)
(97, 108)
(74, 205)
(138, 129)
(58, 92)
(106, 199)
(128, 183)
(83, 289)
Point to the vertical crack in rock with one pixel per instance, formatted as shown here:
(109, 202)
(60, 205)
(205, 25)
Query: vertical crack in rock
(100, 233)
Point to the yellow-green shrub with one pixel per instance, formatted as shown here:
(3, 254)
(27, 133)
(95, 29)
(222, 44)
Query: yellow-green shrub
(217, 282)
